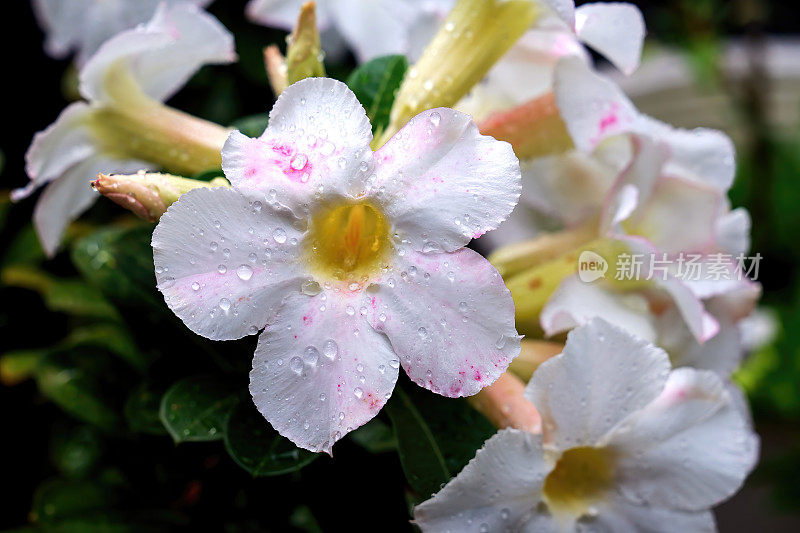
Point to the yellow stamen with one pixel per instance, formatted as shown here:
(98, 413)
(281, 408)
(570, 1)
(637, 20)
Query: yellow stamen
(581, 479)
(348, 242)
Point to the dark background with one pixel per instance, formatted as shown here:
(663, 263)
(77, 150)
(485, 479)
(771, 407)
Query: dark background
(200, 485)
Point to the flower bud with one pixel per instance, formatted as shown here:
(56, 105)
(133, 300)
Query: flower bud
(275, 64)
(304, 51)
(472, 38)
(148, 195)
(534, 129)
(505, 405)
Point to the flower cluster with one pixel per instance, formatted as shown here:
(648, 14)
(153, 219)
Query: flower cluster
(346, 252)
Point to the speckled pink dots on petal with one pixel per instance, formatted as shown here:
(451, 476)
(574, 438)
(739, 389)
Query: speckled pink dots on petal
(350, 263)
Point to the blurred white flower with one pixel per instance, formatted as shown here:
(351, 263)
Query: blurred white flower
(81, 26)
(122, 127)
(352, 262)
(615, 30)
(371, 28)
(627, 445)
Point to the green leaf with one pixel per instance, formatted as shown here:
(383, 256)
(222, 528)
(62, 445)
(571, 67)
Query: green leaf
(119, 262)
(420, 454)
(59, 499)
(375, 436)
(76, 391)
(113, 337)
(258, 448)
(375, 84)
(25, 249)
(208, 175)
(70, 296)
(436, 436)
(195, 408)
(76, 450)
(253, 125)
(142, 410)
(19, 365)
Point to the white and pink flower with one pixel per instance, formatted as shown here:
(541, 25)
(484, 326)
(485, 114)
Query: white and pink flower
(123, 84)
(82, 26)
(627, 445)
(351, 262)
(371, 28)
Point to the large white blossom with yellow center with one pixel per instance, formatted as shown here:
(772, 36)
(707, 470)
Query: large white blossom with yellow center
(352, 262)
(627, 446)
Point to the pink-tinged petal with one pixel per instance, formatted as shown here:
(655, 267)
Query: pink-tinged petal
(225, 262)
(699, 321)
(689, 449)
(160, 56)
(575, 303)
(65, 143)
(83, 25)
(497, 491)
(443, 183)
(722, 353)
(635, 184)
(450, 319)
(375, 28)
(679, 216)
(320, 371)
(317, 143)
(702, 155)
(69, 196)
(618, 515)
(603, 375)
(733, 232)
(563, 9)
(615, 30)
(592, 107)
(283, 13)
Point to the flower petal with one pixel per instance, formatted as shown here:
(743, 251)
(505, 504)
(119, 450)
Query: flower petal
(576, 302)
(592, 106)
(450, 319)
(733, 232)
(615, 30)
(83, 25)
(689, 449)
(679, 216)
(564, 10)
(160, 56)
(67, 197)
(320, 371)
(496, 491)
(603, 375)
(622, 516)
(443, 183)
(377, 27)
(318, 138)
(283, 13)
(65, 143)
(225, 262)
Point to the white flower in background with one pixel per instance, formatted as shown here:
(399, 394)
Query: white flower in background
(615, 30)
(627, 445)
(371, 28)
(81, 26)
(117, 128)
(352, 263)
(670, 198)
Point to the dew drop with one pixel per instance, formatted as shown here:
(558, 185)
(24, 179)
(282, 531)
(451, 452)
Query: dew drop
(296, 364)
(299, 161)
(225, 305)
(245, 272)
(330, 349)
(279, 235)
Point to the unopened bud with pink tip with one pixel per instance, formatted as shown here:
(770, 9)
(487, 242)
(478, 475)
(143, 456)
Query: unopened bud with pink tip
(148, 194)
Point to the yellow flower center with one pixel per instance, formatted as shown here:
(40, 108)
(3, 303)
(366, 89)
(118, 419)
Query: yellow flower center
(581, 478)
(348, 242)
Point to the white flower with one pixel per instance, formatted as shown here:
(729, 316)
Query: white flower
(371, 28)
(123, 84)
(81, 26)
(627, 446)
(353, 263)
(669, 198)
(615, 30)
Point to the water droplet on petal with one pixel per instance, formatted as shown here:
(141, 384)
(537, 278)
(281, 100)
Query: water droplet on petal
(279, 235)
(245, 272)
